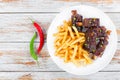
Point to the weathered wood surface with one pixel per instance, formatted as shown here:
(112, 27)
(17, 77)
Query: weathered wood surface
(57, 76)
(14, 43)
(16, 57)
(18, 27)
(55, 5)
(14, 51)
(16, 31)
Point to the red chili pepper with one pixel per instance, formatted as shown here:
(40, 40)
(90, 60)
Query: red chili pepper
(41, 35)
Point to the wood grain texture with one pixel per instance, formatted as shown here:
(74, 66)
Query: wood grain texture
(18, 28)
(55, 5)
(16, 31)
(57, 76)
(16, 57)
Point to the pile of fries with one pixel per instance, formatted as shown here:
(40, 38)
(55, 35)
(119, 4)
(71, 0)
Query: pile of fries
(68, 45)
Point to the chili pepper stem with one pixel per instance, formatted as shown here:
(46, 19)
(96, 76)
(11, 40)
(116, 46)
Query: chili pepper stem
(38, 64)
(32, 20)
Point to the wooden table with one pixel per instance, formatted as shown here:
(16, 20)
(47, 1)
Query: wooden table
(16, 31)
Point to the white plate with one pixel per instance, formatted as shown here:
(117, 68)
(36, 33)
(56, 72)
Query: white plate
(86, 12)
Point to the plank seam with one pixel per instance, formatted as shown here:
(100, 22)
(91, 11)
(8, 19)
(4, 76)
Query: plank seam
(38, 12)
(51, 71)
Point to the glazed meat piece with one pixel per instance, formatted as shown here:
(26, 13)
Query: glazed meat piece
(96, 40)
(101, 46)
(90, 43)
(99, 51)
(76, 19)
(84, 29)
(90, 22)
(96, 35)
(79, 29)
(74, 12)
(103, 32)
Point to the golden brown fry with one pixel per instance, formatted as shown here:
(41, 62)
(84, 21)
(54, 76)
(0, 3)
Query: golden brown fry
(65, 36)
(62, 51)
(76, 31)
(87, 58)
(81, 34)
(60, 28)
(58, 40)
(68, 45)
(66, 56)
(63, 45)
(69, 23)
(59, 34)
(77, 40)
(80, 52)
(58, 43)
(61, 55)
(75, 51)
(71, 33)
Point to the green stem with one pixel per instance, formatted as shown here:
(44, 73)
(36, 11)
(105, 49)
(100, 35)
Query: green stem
(38, 63)
(32, 20)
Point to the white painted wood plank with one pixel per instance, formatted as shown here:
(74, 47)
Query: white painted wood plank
(16, 57)
(55, 5)
(104, 5)
(18, 28)
(57, 76)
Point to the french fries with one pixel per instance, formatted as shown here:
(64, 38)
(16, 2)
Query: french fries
(68, 45)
